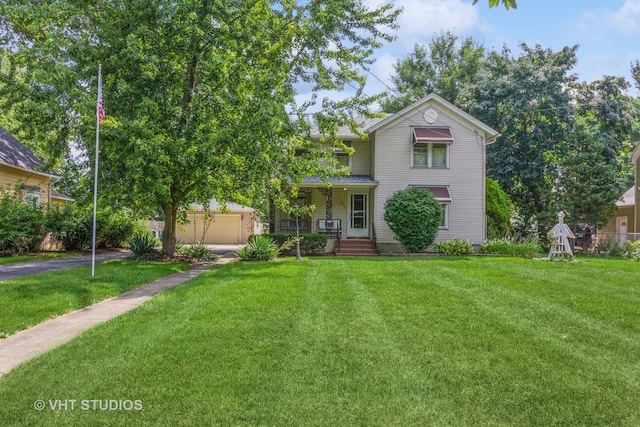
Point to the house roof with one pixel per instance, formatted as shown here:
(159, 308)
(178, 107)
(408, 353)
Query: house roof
(628, 198)
(13, 153)
(369, 125)
(490, 134)
(363, 123)
(56, 195)
(216, 206)
(636, 154)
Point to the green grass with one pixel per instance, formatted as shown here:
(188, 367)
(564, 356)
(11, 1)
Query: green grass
(36, 257)
(372, 342)
(30, 300)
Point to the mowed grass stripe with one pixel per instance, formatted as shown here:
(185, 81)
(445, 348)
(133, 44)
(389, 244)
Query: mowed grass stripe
(30, 300)
(556, 340)
(344, 361)
(334, 341)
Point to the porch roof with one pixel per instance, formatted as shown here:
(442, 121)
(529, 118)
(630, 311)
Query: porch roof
(349, 181)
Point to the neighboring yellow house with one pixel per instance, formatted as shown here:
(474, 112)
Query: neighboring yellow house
(430, 144)
(21, 169)
(626, 224)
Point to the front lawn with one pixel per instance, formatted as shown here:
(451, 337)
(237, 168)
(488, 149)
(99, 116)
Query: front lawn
(342, 342)
(30, 300)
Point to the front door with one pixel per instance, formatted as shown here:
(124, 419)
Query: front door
(621, 228)
(358, 215)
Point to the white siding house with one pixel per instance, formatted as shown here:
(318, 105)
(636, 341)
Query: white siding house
(430, 144)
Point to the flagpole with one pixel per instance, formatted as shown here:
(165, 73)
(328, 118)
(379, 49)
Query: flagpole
(95, 173)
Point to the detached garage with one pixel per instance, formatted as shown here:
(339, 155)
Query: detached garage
(230, 228)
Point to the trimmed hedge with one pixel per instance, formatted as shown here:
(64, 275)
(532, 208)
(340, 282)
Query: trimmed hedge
(454, 247)
(414, 216)
(310, 243)
(525, 249)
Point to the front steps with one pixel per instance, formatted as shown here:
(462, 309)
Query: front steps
(356, 247)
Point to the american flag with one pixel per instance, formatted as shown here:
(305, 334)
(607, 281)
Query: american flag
(100, 106)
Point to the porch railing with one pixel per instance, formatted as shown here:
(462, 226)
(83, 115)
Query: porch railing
(331, 227)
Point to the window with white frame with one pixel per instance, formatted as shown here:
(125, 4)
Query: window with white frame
(430, 147)
(343, 158)
(32, 198)
(444, 224)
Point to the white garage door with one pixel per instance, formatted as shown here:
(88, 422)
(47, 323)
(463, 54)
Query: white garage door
(225, 229)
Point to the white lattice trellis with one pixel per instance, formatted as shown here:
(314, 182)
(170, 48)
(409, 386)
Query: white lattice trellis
(561, 235)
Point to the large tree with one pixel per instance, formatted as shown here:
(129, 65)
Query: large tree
(445, 66)
(527, 99)
(200, 95)
(594, 163)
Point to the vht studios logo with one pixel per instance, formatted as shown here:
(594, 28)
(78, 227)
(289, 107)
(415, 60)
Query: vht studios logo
(88, 405)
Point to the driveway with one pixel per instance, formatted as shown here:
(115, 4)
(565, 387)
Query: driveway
(12, 271)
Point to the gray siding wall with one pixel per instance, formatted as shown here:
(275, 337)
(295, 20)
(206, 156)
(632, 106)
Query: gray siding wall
(465, 176)
(361, 159)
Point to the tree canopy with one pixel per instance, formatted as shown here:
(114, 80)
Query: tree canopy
(200, 96)
(507, 3)
(564, 145)
(443, 67)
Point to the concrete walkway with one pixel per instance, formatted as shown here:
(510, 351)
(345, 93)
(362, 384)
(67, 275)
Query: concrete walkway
(20, 269)
(27, 344)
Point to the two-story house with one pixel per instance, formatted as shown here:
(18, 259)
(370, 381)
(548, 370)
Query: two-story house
(430, 144)
(21, 171)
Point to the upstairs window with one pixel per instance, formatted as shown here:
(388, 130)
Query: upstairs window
(430, 147)
(343, 158)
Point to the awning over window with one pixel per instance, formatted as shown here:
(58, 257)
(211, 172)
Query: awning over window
(431, 135)
(440, 193)
(32, 189)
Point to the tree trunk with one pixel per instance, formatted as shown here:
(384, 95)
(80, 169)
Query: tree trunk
(169, 236)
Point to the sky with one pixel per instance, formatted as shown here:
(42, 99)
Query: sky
(607, 31)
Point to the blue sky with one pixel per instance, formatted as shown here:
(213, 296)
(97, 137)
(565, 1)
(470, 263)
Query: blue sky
(608, 31)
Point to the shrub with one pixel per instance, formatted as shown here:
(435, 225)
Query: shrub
(73, 226)
(143, 246)
(313, 244)
(454, 247)
(117, 227)
(414, 216)
(499, 210)
(22, 225)
(634, 250)
(310, 243)
(196, 251)
(617, 250)
(260, 248)
(527, 248)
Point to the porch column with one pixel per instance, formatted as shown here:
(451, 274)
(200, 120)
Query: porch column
(328, 194)
(272, 216)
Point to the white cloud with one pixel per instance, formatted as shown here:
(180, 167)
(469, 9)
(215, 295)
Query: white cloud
(422, 19)
(627, 19)
(597, 23)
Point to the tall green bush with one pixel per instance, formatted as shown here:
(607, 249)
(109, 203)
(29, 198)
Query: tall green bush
(22, 225)
(414, 216)
(73, 226)
(499, 210)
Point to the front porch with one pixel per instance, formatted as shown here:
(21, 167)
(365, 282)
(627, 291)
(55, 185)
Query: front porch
(343, 211)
